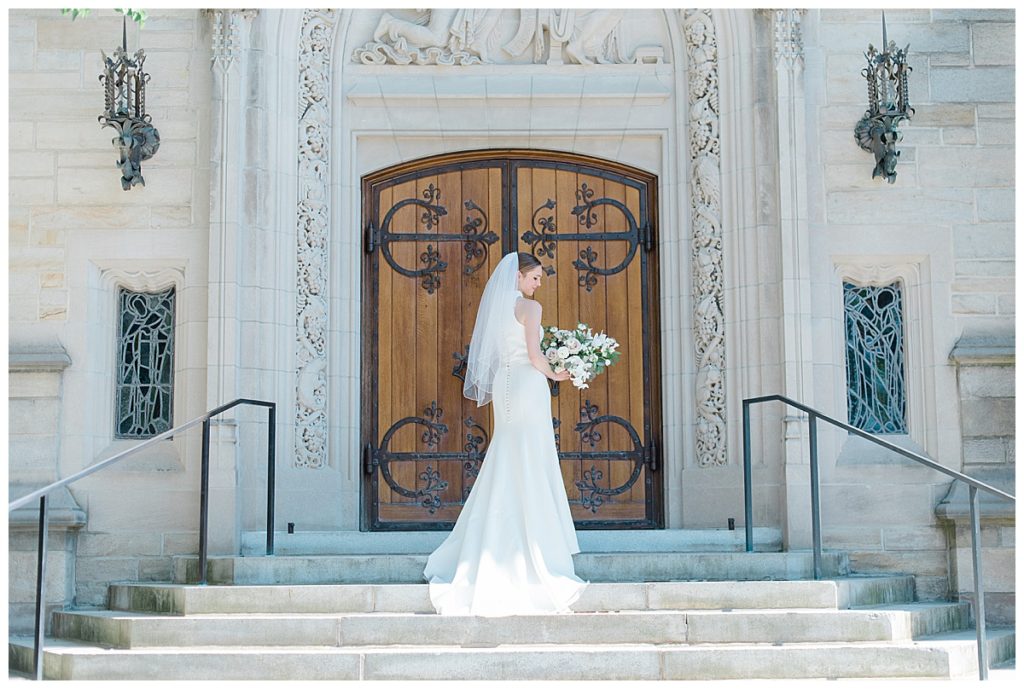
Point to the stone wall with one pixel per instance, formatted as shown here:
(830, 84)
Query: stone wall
(74, 236)
(945, 229)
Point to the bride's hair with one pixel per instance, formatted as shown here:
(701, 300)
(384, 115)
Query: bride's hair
(527, 262)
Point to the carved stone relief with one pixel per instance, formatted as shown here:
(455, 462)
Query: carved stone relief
(706, 248)
(447, 36)
(311, 232)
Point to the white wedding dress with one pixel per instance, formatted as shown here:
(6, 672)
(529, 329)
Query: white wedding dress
(510, 552)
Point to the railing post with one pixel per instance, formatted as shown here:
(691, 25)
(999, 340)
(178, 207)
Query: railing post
(812, 423)
(748, 499)
(979, 595)
(40, 629)
(271, 475)
(204, 502)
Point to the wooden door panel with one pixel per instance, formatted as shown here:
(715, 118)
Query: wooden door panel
(434, 235)
(586, 234)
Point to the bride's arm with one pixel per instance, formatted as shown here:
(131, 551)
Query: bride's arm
(530, 312)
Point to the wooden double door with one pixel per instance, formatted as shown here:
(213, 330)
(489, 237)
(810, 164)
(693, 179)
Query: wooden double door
(433, 232)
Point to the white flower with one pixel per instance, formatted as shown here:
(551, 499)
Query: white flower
(600, 339)
(607, 362)
(574, 345)
(563, 352)
(551, 354)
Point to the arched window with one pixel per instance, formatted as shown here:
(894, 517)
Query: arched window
(145, 363)
(875, 372)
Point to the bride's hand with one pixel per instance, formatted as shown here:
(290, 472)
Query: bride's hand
(564, 375)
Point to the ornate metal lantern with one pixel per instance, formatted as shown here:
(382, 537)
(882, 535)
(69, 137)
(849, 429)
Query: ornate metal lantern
(888, 105)
(125, 111)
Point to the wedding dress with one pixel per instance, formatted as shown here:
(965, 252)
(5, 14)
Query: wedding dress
(510, 552)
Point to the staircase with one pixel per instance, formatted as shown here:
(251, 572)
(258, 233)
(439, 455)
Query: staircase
(646, 615)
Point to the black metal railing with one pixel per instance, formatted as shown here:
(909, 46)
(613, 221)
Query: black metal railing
(204, 490)
(813, 415)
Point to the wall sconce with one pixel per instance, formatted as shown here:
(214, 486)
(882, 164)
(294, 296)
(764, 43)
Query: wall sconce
(125, 111)
(888, 105)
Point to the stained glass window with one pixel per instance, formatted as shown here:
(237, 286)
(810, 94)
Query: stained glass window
(875, 384)
(145, 363)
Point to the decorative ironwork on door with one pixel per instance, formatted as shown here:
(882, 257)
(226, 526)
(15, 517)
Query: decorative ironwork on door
(592, 225)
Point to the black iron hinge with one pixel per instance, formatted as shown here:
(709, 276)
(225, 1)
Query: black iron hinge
(370, 459)
(372, 237)
(647, 236)
(651, 455)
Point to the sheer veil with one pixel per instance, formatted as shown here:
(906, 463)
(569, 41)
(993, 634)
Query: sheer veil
(493, 319)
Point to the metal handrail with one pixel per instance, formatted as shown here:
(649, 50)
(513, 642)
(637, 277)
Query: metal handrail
(973, 484)
(204, 504)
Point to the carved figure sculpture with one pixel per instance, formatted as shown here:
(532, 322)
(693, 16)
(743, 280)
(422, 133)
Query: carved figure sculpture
(595, 38)
(442, 36)
(447, 36)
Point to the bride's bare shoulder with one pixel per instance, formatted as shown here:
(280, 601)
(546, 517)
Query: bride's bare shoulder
(526, 307)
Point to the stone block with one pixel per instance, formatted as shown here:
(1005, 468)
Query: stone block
(923, 37)
(978, 15)
(92, 544)
(996, 132)
(156, 569)
(82, 217)
(21, 136)
(155, 41)
(170, 216)
(987, 417)
(1003, 110)
(944, 115)
(902, 538)
(30, 191)
(995, 205)
(993, 43)
(998, 569)
(75, 136)
(986, 381)
(876, 505)
(949, 166)
(21, 84)
(39, 415)
(973, 303)
(20, 28)
(990, 240)
(917, 562)
(20, 56)
(1005, 303)
(51, 280)
(960, 59)
(67, 105)
(959, 135)
(31, 164)
(64, 61)
(984, 451)
(940, 206)
(21, 576)
(31, 384)
(984, 268)
(99, 570)
(971, 85)
(91, 33)
(186, 543)
(163, 186)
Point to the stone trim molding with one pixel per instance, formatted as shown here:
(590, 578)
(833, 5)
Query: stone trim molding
(225, 39)
(789, 42)
(706, 246)
(975, 349)
(313, 223)
(50, 357)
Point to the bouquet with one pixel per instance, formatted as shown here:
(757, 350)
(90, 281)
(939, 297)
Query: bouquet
(580, 352)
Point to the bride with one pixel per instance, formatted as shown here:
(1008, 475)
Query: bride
(511, 549)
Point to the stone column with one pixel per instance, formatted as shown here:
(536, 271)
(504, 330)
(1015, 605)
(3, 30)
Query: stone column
(35, 393)
(795, 253)
(985, 370)
(229, 33)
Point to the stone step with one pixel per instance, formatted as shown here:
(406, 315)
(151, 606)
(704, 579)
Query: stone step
(254, 543)
(594, 567)
(951, 655)
(138, 630)
(186, 599)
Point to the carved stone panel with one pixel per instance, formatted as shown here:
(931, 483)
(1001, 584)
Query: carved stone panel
(450, 36)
